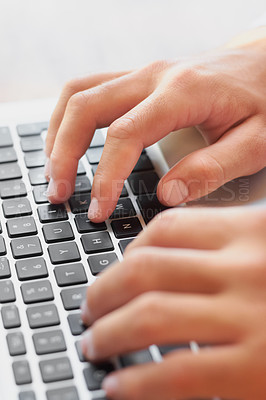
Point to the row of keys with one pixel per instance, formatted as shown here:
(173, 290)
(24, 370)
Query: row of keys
(64, 252)
(148, 204)
(43, 315)
(53, 341)
(51, 370)
(65, 393)
(41, 291)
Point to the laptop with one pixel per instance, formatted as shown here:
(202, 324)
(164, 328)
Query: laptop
(50, 254)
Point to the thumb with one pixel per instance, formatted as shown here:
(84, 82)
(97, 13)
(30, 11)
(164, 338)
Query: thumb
(236, 154)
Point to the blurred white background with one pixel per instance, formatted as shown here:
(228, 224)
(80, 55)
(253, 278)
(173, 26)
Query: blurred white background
(44, 43)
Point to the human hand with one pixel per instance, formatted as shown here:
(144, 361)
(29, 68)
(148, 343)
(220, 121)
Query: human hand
(203, 279)
(222, 93)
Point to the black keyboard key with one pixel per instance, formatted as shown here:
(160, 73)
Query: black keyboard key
(80, 203)
(84, 225)
(81, 169)
(16, 207)
(4, 268)
(143, 163)
(124, 243)
(72, 274)
(79, 351)
(97, 242)
(14, 188)
(5, 137)
(76, 324)
(32, 129)
(26, 247)
(52, 213)
(149, 206)
(36, 292)
(9, 171)
(64, 253)
(138, 357)
(21, 227)
(94, 155)
(32, 268)
(124, 228)
(66, 393)
(58, 232)
(16, 344)
(2, 246)
(28, 395)
(124, 208)
(124, 192)
(42, 316)
(31, 143)
(98, 139)
(22, 374)
(143, 182)
(39, 193)
(37, 177)
(7, 292)
(10, 317)
(34, 159)
(165, 349)
(94, 374)
(82, 185)
(49, 342)
(72, 298)
(56, 369)
(102, 398)
(7, 155)
(100, 262)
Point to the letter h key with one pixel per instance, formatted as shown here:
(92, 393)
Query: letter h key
(96, 242)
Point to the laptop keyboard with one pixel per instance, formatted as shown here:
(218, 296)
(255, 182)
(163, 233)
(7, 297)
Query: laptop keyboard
(42, 252)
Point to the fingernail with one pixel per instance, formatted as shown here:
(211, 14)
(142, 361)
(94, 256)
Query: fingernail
(174, 192)
(110, 385)
(51, 190)
(47, 169)
(93, 209)
(87, 345)
(85, 313)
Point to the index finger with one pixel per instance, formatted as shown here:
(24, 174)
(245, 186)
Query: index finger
(72, 87)
(86, 111)
(141, 127)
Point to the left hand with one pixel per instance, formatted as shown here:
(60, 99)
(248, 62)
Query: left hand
(193, 274)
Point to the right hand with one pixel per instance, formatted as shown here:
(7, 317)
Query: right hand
(222, 93)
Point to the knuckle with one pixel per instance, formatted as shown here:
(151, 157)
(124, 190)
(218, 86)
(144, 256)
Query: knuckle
(188, 76)
(77, 101)
(209, 170)
(71, 87)
(160, 223)
(123, 128)
(53, 157)
(131, 272)
(136, 270)
(158, 66)
(148, 310)
(185, 75)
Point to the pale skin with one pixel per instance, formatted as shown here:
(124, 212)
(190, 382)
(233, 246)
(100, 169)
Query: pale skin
(203, 279)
